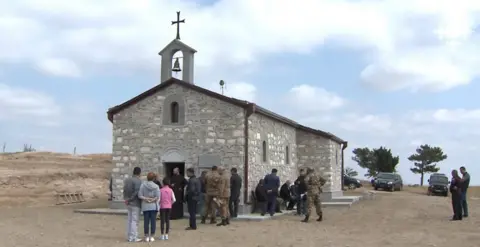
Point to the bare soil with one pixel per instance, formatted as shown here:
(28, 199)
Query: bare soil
(396, 220)
(28, 182)
(34, 178)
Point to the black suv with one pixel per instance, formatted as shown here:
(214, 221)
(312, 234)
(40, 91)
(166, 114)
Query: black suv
(388, 181)
(438, 184)
(351, 183)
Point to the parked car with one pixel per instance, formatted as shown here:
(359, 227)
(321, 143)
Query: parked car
(351, 183)
(438, 184)
(388, 181)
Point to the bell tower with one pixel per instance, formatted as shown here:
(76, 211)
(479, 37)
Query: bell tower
(187, 60)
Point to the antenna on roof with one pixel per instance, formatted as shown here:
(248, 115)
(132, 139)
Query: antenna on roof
(222, 85)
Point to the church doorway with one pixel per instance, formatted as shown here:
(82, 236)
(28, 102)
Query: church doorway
(169, 166)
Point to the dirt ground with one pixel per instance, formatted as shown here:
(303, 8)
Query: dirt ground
(33, 178)
(29, 181)
(398, 219)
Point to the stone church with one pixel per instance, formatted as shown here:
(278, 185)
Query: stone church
(179, 124)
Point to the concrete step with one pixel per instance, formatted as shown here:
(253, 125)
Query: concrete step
(336, 204)
(352, 199)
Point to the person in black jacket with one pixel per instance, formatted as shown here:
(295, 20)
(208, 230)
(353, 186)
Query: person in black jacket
(456, 188)
(235, 188)
(286, 195)
(193, 192)
(261, 196)
(301, 187)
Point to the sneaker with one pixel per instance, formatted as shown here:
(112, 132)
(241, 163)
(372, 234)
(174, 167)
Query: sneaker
(162, 237)
(136, 240)
(166, 237)
(147, 239)
(152, 239)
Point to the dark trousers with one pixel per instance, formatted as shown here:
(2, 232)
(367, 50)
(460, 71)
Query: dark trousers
(457, 205)
(291, 203)
(149, 222)
(165, 220)
(464, 204)
(271, 203)
(233, 206)
(301, 206)
(262, 206)
(192, 211)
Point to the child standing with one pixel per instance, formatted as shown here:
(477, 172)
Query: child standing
(149, 193)
(167, 198)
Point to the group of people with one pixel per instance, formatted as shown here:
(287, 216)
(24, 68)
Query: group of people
(458, 189)
(304, 193)
(213, 191)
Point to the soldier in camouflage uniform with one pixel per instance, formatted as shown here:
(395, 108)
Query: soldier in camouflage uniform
(314, 188)
(224, 196)
(212, 180)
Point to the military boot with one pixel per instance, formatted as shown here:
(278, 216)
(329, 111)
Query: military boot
(213, 221)
(227, 221)
(222, 223)
(320, 218)
(204, 219)
(306, 218)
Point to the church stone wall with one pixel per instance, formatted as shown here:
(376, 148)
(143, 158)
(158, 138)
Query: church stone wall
(277, 136)
(324, 156)
(210, 127)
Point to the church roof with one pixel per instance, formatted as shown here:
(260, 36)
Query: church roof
(252, 107)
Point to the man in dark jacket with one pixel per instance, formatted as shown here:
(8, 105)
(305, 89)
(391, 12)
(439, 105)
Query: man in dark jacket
(301, 190)
(192, 197)
(201, 203)
(235, 187)
(466, 182)
(272, 184)
(286, 195)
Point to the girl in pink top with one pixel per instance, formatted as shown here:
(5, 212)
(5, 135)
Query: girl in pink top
(166, 199)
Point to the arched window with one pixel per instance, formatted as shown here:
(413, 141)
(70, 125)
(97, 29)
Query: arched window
(174, 112)
(287, 155)
(264, 151)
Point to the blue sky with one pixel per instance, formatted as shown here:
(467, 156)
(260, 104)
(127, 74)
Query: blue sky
(392, 73)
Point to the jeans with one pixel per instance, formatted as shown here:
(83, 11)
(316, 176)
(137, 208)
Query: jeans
(164, 220)
(192, 211)
(271, 203)
(464, 203)
(149, 222)
(301, 206)
(233, 207)
(457, 205)
(132, 222)
(201, 205)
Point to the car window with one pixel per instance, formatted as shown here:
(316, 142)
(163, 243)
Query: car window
(386, 176)
(438, 179)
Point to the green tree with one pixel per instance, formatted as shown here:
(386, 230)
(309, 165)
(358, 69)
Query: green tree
(425, 160)
(350, 172)
(375, 160)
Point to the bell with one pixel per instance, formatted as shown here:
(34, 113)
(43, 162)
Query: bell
(176, 66)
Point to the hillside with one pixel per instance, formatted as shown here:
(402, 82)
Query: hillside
(33, 178)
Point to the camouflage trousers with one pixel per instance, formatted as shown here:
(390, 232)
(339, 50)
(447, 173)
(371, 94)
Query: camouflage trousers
(223, 208)
(210, 207)
(314, 201)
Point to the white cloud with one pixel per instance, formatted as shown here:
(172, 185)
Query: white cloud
(59, 67)
(429, 45)
(238, 90)
(27, 104)
(314, 99)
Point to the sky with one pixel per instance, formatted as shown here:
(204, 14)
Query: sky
(394, 73)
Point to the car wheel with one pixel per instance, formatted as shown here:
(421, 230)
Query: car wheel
(392, 189)
(446, 194)
(376, 188)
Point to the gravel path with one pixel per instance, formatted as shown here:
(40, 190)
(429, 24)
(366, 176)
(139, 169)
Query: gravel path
(395, 220)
